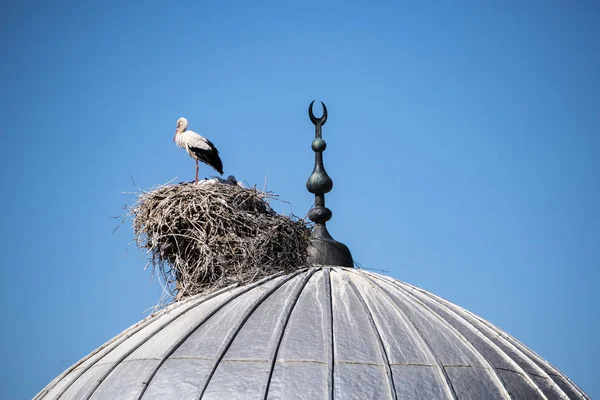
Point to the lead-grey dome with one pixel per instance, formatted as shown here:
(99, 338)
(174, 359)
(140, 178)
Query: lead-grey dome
(320, 333)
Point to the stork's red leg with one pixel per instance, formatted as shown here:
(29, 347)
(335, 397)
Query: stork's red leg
(196, 172)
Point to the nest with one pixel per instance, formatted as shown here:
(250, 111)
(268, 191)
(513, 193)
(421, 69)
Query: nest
(202, 237)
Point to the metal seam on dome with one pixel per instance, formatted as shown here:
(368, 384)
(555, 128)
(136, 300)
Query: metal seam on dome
(439, 367)
(497, 332)
(243, 290)
(523, 356)
(528, 355)
(461, 337)
(412, 364)
(385, 356)
(329, 330)
(234, 332)
(236, 360)
(148, 322)
(539, 362)
(470, 326)
(535, 359)
(287, 313)
(521, 373)
(160, 328)
(109, 346)
(534, 356)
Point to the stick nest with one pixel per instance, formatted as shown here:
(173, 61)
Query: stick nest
(202, 237)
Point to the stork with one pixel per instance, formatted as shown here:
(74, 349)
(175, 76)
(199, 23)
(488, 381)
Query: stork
(198, 147)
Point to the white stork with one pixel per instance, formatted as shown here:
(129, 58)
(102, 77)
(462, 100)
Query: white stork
(198, 147)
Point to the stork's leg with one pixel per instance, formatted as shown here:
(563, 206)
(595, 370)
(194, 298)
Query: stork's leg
(196, 172)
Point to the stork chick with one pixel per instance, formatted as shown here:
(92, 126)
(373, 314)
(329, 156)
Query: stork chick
(198, 147)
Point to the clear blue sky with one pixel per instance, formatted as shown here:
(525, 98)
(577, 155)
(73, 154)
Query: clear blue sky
(463, 141)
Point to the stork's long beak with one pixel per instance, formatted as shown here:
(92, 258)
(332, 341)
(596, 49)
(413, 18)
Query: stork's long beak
(176, 131)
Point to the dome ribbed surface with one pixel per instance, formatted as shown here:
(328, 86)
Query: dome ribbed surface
(320, 333)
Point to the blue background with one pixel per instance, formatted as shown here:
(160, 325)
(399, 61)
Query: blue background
(463, 141)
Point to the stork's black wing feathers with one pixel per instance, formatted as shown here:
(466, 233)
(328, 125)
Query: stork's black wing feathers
(209, 156)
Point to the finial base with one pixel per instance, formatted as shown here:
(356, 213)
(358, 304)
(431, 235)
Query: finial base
(324, 250)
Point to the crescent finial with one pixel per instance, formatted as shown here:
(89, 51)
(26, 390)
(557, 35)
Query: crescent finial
(317, 121)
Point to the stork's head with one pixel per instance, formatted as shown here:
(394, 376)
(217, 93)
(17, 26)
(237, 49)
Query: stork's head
(182, 124)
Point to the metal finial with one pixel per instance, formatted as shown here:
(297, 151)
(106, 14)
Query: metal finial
(324, 250)
(319, 122)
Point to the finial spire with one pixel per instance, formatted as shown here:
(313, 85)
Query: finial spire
(324, 250)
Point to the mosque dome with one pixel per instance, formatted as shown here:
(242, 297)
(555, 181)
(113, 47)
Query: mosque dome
(318, 333)
(324, 331)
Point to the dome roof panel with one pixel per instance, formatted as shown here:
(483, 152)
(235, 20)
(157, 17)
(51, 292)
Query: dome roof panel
(403, 344)
(360, 381)
(299, 380)
(322, 332)
(308, 327)
(260, 334)
(521, 386)
(85, 384)
(418, 381)
(521, 359)
(475, 383)
(354, 335)
(209, 340)
(443, 342)
(178, 378)
(123, 382)
(237, 381)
